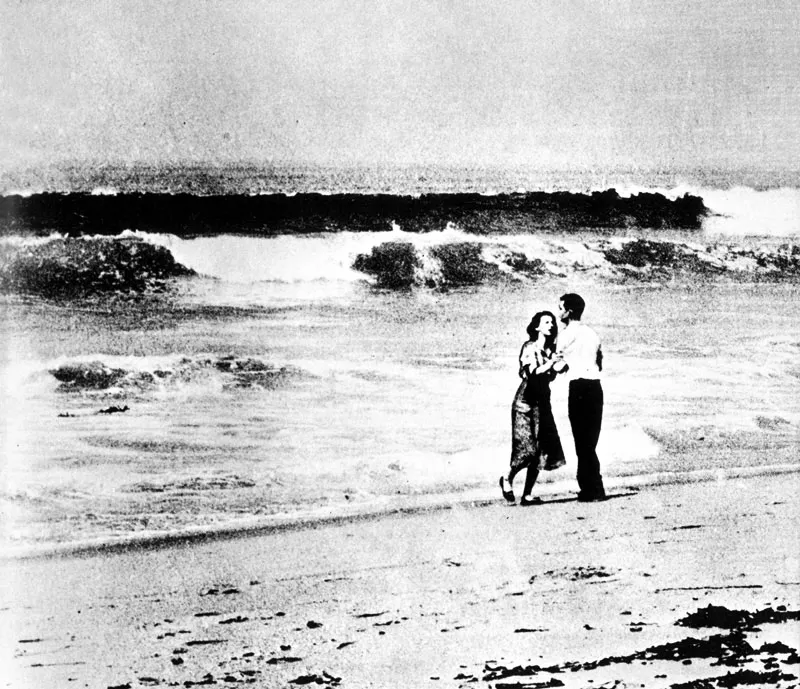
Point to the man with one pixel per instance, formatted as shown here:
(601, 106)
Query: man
(580, 348)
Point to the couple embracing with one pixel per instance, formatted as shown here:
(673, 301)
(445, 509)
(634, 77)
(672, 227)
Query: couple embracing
(535, 444)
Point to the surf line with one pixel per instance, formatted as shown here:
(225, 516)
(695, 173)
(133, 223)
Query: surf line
(481, 497)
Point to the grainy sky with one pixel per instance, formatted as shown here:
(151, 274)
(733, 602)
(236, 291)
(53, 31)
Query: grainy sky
(548, 83)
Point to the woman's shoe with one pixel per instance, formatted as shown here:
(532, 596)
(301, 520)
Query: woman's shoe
(507, 494)
(533, 501)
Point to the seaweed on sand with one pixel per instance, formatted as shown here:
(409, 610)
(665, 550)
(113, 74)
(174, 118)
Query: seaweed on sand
(724, 618)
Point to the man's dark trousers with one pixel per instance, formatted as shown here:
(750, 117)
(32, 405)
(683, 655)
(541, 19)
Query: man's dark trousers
(585, 407)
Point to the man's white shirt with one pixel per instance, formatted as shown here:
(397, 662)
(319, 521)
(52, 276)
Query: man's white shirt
(579, 345)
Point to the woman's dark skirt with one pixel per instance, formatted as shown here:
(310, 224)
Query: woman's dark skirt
(534, 436)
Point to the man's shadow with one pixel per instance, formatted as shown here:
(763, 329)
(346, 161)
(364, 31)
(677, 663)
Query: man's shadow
(556, 501)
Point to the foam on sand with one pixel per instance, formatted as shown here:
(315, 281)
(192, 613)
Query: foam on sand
(380, 507)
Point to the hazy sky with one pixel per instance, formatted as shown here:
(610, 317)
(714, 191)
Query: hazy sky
(552, 82)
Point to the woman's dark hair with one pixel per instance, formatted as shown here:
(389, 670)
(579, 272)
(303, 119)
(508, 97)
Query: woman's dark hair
(534, 324)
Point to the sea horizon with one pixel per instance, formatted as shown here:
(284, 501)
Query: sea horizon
(259, 177)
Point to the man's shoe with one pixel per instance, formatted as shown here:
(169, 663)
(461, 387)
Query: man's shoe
(533, 501)
(582, 497)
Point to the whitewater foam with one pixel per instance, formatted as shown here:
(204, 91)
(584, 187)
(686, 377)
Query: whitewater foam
(284, 258)
(743, 211)
(329, 258)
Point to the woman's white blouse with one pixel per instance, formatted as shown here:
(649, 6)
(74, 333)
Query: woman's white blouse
(531, 356)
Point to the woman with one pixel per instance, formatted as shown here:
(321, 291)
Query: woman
(535, 443)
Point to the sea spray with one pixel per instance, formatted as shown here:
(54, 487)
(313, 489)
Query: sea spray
(742, 211)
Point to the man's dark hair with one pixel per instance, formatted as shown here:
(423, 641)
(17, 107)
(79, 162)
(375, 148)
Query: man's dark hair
(575, 304)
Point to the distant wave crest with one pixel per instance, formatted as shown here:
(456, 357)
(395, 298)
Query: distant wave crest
(103, 211)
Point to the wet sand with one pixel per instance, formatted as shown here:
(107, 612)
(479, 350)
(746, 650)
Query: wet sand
(559, 594)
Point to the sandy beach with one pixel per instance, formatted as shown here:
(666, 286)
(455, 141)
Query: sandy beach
(560, 594)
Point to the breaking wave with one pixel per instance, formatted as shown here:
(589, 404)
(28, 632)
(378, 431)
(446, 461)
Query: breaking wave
(138, 262)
